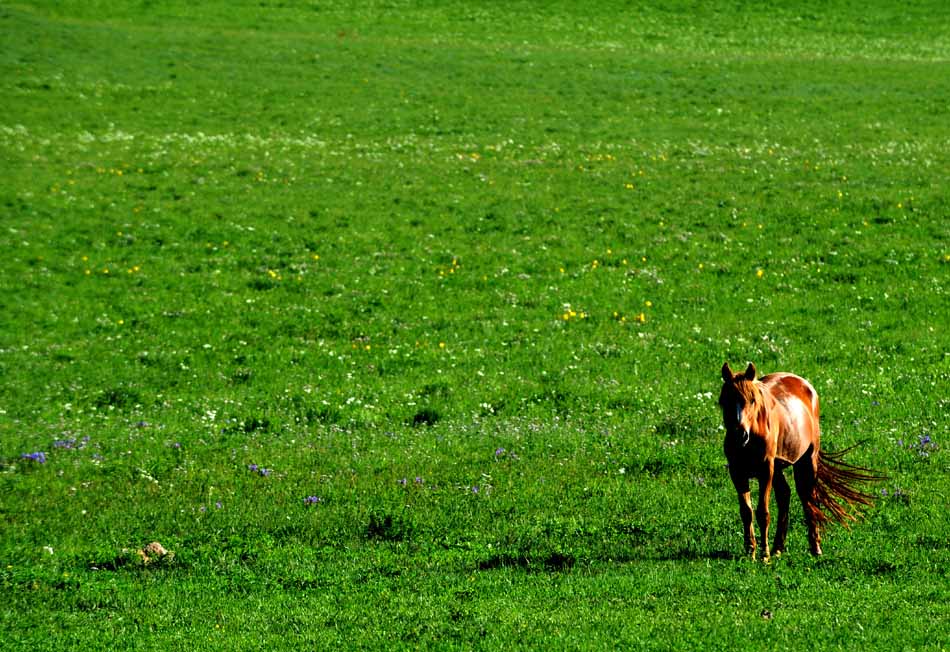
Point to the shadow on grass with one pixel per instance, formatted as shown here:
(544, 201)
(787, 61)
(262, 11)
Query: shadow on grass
(561, 561)
(688, 554)
(551, 562)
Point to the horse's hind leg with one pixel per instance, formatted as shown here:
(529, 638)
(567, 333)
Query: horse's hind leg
(783, 496)
(806, 475)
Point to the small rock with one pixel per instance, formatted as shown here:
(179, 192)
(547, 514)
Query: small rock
(153, 553)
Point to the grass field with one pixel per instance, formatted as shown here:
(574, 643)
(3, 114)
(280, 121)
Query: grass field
(400, 323)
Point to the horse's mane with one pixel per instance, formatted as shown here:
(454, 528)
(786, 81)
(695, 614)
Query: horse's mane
(747, 389)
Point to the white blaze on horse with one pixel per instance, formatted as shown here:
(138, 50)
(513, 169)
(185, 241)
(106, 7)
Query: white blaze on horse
(772, 423)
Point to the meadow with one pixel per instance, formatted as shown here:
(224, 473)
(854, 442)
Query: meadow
(399, 323)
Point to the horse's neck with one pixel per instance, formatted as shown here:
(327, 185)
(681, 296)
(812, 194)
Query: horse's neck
(772, 406)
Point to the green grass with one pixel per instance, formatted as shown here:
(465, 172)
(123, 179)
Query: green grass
(465, 272)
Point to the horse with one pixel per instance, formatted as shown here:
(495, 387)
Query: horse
(772, 423)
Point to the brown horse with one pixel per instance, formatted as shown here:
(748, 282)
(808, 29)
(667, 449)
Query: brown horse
(772, 423)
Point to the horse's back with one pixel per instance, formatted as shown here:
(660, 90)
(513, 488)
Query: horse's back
(784, 386)
(800, 429)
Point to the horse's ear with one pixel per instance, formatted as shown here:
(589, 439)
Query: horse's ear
(750, 372)
(726, 372)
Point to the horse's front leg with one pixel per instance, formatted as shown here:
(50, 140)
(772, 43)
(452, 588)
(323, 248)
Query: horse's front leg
(762, 510)
(745, 511)
(783, 495)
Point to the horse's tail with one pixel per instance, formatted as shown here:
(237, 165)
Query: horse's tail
(836, 491)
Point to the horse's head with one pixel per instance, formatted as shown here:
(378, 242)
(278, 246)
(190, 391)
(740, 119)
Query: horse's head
(743, 407)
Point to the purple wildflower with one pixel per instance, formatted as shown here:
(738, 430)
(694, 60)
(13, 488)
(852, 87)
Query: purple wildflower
(402, 482)
(312, 500)
(499, 452)
(260, 470)
(419, 479)
(39, 457)
(70, 443)
(218, 505)
(924, 445)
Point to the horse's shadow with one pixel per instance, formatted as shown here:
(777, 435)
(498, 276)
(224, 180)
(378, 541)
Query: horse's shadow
(690, 554)
(565, 562)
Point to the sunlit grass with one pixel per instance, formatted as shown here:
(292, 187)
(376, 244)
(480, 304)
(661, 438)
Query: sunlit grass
(401, 326)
